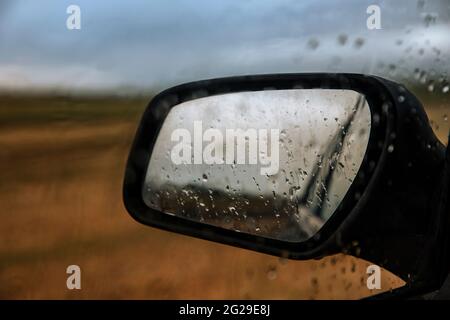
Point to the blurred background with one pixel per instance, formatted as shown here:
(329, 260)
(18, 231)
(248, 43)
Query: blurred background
(70, 101)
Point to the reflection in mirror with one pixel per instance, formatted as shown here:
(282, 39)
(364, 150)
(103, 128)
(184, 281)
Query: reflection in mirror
(274, 163)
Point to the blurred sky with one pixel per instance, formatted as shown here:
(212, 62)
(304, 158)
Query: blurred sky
(138, 44)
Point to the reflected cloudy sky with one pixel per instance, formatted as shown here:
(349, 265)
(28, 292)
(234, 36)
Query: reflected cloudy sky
(141, 44)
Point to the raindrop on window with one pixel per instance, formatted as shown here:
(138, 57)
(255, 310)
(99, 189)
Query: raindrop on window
(390, 148)
(420, 4)
(313, 43)
(314, 282)
(359, 42)
(429, 18)
(342, 39)
(272, 273)
(376, 119)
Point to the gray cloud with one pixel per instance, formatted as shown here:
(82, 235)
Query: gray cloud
(156, 43)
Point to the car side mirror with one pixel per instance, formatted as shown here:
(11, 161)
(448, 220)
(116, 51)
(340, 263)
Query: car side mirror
(299, 166)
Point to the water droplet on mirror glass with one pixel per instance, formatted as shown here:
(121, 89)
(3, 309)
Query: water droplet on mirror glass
(233, 210)
(417, 74)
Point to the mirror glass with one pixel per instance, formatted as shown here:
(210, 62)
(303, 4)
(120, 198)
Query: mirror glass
(274, 163)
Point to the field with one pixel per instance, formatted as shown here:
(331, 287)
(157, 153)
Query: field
(61, 169)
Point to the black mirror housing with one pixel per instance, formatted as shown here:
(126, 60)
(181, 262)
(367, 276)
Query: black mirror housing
(395, 210)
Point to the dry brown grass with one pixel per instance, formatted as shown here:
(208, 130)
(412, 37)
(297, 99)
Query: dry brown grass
(61, 204)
